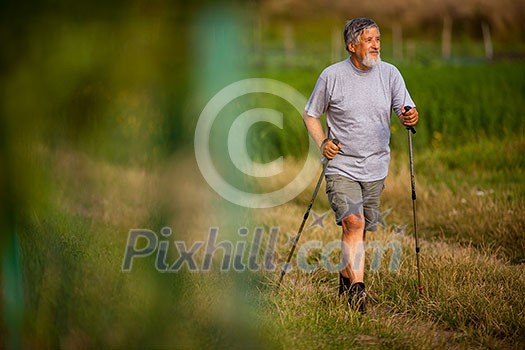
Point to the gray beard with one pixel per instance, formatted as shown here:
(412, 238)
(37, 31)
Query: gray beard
(370, 62)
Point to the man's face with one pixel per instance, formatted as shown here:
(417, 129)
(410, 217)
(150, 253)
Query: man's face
(366, 53)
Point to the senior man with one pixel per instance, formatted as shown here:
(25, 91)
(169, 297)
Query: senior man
(358, 96)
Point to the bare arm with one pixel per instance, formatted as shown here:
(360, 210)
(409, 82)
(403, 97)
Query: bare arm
(315, 129)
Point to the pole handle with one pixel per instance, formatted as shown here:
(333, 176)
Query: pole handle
(335, 142)
(411, 128)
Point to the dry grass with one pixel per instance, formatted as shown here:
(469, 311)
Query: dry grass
(78, 297)
(472, 293)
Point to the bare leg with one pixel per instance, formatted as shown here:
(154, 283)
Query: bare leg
(352, 247)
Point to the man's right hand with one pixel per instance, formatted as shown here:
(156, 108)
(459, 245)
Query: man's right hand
(329, 149)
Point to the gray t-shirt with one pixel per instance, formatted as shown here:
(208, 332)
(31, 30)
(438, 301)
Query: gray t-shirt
(358, 107)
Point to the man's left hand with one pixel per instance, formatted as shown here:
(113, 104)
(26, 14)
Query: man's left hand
(410, 117)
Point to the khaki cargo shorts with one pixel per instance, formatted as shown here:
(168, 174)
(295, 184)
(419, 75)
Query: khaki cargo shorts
(347, 197)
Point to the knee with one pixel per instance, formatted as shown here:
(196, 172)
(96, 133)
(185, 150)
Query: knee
(353, 223)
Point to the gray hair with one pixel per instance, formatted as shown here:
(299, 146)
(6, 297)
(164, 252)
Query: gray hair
(354, 28)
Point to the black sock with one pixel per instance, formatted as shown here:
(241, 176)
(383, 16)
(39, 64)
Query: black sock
(344, 284)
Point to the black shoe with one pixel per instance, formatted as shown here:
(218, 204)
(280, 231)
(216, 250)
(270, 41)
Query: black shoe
(354, 293)
(357, 297)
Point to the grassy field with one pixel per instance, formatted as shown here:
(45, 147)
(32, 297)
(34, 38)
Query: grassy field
(470, 205)
(470, 184)
(471, 261)
(472, 270)
(98, 140)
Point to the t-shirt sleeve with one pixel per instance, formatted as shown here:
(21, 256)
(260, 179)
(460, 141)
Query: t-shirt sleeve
(317, 104)
(400, 95)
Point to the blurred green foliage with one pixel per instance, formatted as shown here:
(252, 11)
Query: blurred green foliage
(90, 89)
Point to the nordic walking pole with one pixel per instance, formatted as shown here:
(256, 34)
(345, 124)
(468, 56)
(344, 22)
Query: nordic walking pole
(410, 131)
(305, 217)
